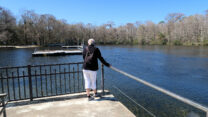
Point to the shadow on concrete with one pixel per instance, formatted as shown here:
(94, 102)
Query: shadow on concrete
(105, 98)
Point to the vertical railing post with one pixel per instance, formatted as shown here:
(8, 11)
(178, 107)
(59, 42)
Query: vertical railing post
(30, 82)
(102, 79)
(4, 106)
(207, 114)
(7, 76)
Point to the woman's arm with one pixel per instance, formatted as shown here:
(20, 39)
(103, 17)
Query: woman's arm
(101, 58)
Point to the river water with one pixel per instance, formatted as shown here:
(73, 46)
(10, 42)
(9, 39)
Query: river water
(182, 70)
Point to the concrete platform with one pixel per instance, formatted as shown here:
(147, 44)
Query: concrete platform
(72, 105)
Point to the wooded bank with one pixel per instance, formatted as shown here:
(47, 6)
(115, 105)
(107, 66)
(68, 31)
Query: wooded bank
(45, 29)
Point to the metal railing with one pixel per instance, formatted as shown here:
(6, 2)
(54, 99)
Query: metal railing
(3, 104)
(164, 91)
(35, 81)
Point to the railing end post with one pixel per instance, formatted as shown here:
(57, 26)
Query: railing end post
(4, 106)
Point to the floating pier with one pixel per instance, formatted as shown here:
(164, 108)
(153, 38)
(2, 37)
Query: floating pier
(71, 50)
(72, 46)
(56, 52)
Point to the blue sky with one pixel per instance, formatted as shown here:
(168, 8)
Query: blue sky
(99, 12)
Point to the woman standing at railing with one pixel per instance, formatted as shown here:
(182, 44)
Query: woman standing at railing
(91, 54)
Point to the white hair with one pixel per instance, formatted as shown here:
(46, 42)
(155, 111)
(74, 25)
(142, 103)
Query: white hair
(91, 42)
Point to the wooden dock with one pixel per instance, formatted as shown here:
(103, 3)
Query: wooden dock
(72, 46)
(57, 52)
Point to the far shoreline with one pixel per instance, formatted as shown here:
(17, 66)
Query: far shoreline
(19, 46)
(37, 46)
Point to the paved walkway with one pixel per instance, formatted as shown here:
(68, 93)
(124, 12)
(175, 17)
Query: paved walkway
(72, 105)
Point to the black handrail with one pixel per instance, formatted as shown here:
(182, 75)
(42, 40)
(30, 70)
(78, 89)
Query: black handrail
(35, 81)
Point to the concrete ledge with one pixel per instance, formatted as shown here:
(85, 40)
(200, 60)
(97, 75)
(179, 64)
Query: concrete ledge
(72, 105)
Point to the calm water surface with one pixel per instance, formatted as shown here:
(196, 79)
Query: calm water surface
(183, 70)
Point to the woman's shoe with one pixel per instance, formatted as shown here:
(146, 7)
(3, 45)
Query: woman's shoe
(90, 98)
(96, 95)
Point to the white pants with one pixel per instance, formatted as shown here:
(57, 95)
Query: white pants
(90, 79)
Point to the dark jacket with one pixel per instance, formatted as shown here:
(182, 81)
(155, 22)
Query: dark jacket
(96, 55)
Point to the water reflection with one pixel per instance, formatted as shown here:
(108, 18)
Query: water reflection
(183, 70)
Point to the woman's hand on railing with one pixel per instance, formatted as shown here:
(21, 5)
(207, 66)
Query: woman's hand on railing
(108, 65)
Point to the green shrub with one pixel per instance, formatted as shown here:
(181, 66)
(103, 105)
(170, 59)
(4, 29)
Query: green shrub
(205, 42)
(177, 42)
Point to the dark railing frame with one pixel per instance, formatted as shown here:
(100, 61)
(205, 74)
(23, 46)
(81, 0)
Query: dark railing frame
(30, 77)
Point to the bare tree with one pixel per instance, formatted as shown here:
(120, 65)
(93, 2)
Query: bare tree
(45, 29)
(7, 26)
